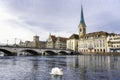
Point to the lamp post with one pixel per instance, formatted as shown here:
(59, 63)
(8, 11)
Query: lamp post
(7, 42)
(15, 41)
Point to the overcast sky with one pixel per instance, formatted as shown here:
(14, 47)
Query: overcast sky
(22, 19)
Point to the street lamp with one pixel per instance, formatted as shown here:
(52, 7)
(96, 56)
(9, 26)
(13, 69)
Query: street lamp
(7, 42)
(15, 41)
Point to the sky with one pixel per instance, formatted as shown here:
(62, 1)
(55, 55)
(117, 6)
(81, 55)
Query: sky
(22, 19)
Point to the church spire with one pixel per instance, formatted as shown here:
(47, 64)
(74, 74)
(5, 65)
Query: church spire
(82, 16)
(82, 25)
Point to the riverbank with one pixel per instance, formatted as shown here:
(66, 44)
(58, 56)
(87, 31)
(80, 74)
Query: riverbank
(105, 54)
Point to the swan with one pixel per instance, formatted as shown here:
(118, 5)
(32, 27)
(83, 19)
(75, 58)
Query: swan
(57, 71)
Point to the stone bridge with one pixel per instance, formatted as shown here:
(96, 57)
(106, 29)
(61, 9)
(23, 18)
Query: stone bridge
(12, 50)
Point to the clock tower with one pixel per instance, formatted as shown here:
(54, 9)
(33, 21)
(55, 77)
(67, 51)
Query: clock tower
(82, 25)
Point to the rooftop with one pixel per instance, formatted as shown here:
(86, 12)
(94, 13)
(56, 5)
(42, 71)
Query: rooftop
(74, 36)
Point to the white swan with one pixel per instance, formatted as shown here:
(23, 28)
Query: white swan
(57, 71)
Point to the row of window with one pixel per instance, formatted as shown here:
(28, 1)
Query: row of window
(94, 50)
(94, 41)
(92, 45)
(115, 46)
(94, 36)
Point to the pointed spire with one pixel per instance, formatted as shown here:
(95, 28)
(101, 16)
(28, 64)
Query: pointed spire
(82, 16)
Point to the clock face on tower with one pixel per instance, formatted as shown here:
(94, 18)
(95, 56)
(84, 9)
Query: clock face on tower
(80, 29)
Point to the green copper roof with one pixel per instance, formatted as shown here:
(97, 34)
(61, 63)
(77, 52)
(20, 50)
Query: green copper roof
(82, 16)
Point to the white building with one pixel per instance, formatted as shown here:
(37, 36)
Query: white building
(93, 42)
(72, 42)
(113, 43)
(56, 42)
(96, 42)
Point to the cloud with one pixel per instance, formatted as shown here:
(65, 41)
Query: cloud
(24, 18)
(102, 15)
(12, 27)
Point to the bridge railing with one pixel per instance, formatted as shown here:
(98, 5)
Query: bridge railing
(10, 46)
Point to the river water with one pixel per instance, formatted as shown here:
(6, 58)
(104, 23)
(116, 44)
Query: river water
(82, 67)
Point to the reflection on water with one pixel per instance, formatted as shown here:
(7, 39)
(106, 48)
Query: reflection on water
(83, 67)
(96, 67)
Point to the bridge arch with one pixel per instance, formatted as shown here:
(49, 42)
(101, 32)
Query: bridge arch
(62, 53)
(49, 52)
(7, 52)
(28, 52)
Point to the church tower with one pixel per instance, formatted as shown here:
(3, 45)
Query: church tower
(82, 25)
(36, 41)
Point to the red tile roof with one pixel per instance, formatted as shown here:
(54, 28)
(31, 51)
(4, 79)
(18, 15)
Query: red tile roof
(53, 38)
(63, 39)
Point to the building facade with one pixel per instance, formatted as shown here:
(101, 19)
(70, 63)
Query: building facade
(94, 42)
(113, 43)
(35, 43)
(72, 42)
(60, 43)
(56, 42)
(50, 43)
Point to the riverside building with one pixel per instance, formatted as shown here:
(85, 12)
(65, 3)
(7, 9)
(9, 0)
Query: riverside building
(95, 42)
(72, 42)
(56, 42)
(91, 42)
(113, 43)
(35, 43)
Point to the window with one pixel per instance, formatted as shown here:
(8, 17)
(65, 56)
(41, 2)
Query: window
(103, 50)
(100, 50)
(80, 29)
(95, 50)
